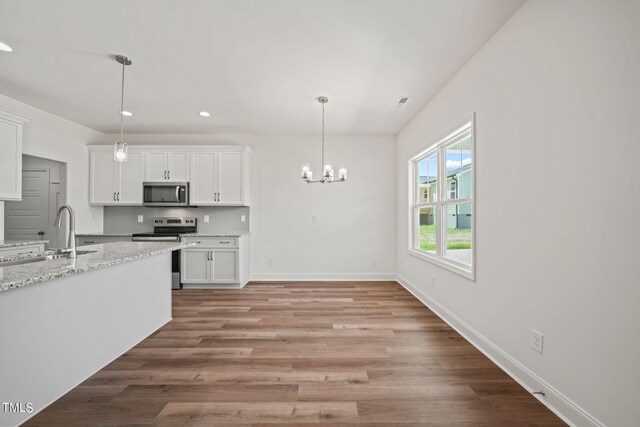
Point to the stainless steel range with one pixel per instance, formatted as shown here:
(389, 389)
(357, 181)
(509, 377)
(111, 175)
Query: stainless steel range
(169, 230)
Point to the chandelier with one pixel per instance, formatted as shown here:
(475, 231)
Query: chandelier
(120, 149)
(327, 171)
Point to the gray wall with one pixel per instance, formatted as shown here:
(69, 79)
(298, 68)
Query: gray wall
(124, 219)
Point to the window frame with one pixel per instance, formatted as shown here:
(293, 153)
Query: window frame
(458, 133)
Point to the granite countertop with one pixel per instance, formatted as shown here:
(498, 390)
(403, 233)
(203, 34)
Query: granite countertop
(202, 234)
(106, 255)
(214, 234)
(14, 243)
(100, 234)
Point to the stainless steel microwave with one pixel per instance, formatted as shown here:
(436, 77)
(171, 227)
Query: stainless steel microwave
(159, 193)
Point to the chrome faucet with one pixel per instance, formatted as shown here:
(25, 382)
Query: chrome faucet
(71, 242)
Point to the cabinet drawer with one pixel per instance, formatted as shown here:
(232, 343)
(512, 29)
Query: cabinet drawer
(214, 242)
(21, 250)
(84, 241)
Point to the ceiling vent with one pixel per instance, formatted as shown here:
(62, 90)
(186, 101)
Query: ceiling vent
(401, 102)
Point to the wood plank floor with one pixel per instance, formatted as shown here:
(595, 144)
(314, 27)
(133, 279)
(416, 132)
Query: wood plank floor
(297, 353)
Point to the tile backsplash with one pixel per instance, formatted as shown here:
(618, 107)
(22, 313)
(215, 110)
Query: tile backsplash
(124, 219)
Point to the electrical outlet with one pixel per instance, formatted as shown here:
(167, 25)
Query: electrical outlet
(272, 261)
(537, 341)
(314, 219)
(140, 218)
(375, 261)
(206, 218)
(243, 218)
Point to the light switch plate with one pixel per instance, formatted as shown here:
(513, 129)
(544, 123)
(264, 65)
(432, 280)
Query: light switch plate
(243, 218)
(140, 218)
(206, 218)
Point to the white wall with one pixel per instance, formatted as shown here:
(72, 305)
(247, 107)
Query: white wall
(356, 219)
(557, 99)
(53, 137)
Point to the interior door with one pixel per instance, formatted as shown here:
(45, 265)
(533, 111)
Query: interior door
(131, 178)
(195, 266)
(230, 178)
(156, 166)
(225, 266)
(28, 219)
(103, 178)
(203, 179)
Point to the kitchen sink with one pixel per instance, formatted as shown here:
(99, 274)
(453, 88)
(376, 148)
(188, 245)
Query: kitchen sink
(40, 258)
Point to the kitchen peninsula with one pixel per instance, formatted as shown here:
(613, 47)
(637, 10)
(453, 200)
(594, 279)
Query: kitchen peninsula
(59, 317)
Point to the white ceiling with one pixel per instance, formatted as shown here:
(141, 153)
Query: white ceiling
(255, 65)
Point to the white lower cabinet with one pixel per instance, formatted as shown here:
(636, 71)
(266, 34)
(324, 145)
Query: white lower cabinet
(215, 262)
(196, 266)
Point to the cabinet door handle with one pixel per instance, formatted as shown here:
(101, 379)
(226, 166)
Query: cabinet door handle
(118, 196)
(165, 174)
(225, 242)
(169, 174)
(89, 241)
(114, 196)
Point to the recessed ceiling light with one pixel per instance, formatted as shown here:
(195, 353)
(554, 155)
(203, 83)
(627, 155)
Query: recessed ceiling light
(5, 47)
(204, 114)
(126, 113)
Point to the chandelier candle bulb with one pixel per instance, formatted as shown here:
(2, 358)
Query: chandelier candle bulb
(306, 171)
(342, 173)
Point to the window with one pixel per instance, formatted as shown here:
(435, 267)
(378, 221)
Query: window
(453, 185)
(442, 230)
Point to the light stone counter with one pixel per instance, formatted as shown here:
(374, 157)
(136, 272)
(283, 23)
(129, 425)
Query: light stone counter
(106, 255)
(4, 244)
(101, 234)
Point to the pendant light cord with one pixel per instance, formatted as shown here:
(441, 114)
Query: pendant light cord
(122, 107)
(323, 140)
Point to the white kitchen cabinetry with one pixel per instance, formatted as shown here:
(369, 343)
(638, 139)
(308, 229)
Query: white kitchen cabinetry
(11, 158)
(115, 183)
(196, 266)
(163, 165)
(218, 175)
(217, 262)
(219, 179)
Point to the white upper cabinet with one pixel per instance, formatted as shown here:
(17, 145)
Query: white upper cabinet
(219, 179)
(203, 178)
(231, 178)
(102, 178)
(167, 165)
(131, 178)
(115, 183)
(156, 166)
(217, 175)
(11, 158)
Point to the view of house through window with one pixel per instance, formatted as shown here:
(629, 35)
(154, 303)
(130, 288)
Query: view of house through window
(443, 226)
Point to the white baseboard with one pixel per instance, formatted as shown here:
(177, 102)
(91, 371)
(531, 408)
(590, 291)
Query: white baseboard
(561, 405)
(321, 277)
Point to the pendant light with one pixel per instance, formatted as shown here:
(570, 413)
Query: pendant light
(120, 149)
(327, 167)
